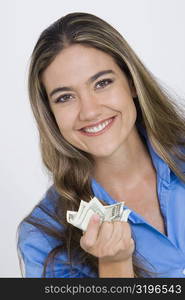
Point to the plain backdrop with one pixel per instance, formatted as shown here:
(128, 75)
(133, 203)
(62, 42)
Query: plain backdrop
(156, 31)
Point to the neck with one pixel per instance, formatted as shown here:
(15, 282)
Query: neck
(129, 164)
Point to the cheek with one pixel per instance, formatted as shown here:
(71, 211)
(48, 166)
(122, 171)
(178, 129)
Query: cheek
(65, 122)
(64, 128)
(121, 96)
(62, 122)
(126, 104)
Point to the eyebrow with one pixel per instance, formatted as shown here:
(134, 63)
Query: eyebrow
(90, 80)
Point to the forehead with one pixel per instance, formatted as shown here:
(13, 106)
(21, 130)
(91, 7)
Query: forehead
(77, 62)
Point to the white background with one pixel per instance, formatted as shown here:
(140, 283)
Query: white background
(154, 28)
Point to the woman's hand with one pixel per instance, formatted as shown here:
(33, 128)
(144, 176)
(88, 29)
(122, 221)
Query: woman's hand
(109, 241)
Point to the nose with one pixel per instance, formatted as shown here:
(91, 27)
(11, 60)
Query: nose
(90, 108)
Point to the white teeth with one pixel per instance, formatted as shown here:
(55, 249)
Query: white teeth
(97, 128)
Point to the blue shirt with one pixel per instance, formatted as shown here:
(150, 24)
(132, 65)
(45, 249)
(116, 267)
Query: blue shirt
(162, 254)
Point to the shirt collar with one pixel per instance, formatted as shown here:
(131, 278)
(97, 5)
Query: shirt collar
(161, 167)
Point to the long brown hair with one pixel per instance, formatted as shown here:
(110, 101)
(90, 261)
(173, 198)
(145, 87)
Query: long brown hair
(70, 167)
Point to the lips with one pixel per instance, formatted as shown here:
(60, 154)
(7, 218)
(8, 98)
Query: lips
(97, 128)
(96, 124)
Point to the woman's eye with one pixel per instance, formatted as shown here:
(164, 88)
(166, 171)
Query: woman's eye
(103, 83)
(64, 98)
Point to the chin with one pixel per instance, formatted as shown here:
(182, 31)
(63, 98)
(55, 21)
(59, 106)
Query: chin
(102, 153)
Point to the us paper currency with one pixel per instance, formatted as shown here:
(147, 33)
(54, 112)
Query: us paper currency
(80, 218)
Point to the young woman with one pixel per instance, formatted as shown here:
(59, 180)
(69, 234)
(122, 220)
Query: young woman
(107, 129)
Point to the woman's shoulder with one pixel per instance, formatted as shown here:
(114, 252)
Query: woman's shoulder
(34, 243)
(44, 213)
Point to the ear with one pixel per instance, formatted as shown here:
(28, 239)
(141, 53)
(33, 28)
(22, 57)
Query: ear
(132, 88)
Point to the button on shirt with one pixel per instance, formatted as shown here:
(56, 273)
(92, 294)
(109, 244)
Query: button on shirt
(163, 255)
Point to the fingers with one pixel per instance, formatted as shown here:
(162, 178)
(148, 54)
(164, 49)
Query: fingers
(90, 236)
(121, 232)
(110, 241)
(127, 231)
(121, 245)
(105, 232)
(118, 231)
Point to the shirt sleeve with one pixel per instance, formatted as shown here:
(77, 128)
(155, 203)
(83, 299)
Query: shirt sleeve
(34, 245)
(33, 248)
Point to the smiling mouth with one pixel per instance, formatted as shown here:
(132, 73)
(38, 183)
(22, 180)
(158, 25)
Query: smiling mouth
(96, 130)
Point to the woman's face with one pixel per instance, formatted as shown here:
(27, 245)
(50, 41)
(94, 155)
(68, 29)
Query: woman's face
(91, 100)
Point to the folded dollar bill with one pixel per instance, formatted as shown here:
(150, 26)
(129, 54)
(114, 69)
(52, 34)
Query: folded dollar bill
(80, 218)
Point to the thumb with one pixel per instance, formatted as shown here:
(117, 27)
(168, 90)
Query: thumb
(91, 234)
